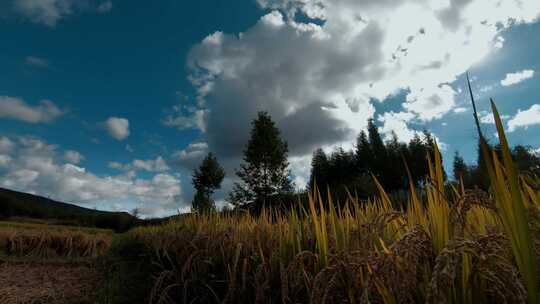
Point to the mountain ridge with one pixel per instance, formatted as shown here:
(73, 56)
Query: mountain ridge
(20, 204)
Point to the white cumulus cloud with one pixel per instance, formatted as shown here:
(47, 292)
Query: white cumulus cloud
(37, 62)
(185, 118)
(486, 117)
(105, 7)
(73, 157)
(16, 108)
(317, 78)
(4, 160)
(151, 165)
(397, 123)
(50, 12)
(524, 119)
(517, 77)
(6, 145)
(118, 128)
(191, 156)
(35, 166)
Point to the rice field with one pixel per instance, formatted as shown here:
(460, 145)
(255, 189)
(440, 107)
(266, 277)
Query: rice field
(42, 263)
(24, 283)
(28, 225)
(49, 241)
(449, 245)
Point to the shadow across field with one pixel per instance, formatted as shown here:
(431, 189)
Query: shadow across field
(70, 265)
(52, 283)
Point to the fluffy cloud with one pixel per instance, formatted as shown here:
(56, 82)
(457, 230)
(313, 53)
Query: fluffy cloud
(36, 62)
(105, 7)
(397, 123)
(460, 110)
(431, 103)
(191, 156)
(4, 160)
(486, 117)
(46, 12)
(118, 128)
(185, 118)
(150, 165)
(301, 166)
(517, 77)
(524, 119)
(50, 12)
(73, 157)
(6, 145)
(35, 166)
(15, 108)
(318, 77)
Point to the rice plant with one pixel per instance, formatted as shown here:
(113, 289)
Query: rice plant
(53, 243)
(448, 245)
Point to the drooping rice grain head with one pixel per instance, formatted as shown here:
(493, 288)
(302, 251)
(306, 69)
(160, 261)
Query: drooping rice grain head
(489, 277)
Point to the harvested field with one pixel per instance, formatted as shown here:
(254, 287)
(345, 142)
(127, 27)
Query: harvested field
(22, 283)
(50, 243)
(28, 224)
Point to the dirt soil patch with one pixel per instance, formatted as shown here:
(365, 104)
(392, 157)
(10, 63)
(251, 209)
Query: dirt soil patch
(36, 283)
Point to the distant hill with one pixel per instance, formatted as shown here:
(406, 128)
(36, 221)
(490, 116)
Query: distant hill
(18, 204)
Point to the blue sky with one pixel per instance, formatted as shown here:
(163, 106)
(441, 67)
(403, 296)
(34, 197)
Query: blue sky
(110, 104)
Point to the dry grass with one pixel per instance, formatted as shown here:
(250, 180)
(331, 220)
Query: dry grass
(364, 253)
(460, 247)
(25, 223)
(50, 243)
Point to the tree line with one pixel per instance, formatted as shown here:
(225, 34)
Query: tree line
(353, 170)
(525, 159)
(264, 176)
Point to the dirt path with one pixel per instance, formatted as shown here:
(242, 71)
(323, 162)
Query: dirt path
(36, 283)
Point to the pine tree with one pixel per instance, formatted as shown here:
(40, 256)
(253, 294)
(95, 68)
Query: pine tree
(417, 159)
(352, 170)
(394, 175)
(481, 177)
(206, 179)
(342, 165)
(363, 155)
(526, 159)
(319, 170)
(202, 203)
(378, 149)
(461, 169)
(264, 174)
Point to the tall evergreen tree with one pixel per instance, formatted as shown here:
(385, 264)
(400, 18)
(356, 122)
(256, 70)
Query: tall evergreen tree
(342, 166)
(206, 179)
(202, 203)
(319, 170)
(394, 175)
(364, 156)
(461, 169)
(526, 159)
(480, 175)
(417, 158)
(264, 174)
(352, 171)
(378, 149)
